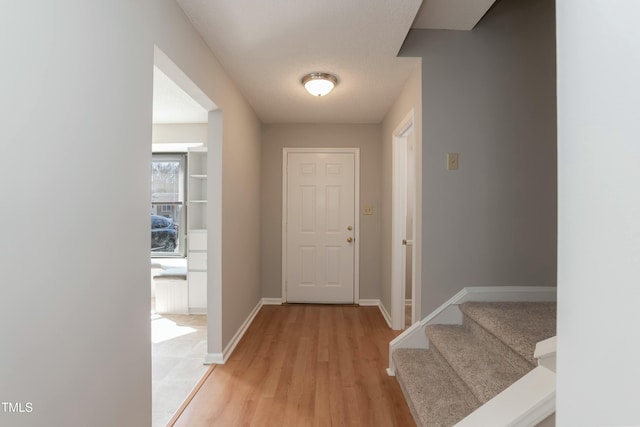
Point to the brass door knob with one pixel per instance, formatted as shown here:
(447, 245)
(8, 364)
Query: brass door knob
(349, 239)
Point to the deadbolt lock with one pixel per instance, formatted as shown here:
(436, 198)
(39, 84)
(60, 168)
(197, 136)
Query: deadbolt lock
(349, 228)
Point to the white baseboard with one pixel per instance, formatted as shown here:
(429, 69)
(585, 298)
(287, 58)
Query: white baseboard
(546, 353)
(385, 314)
(509, 293)
(221, 358)
(271, 301)
(213, 359)
(377, 303)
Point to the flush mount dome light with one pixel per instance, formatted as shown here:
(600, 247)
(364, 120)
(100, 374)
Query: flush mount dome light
(319, 84)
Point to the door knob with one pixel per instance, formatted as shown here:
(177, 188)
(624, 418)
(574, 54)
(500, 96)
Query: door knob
(349, 239)
(349, 228)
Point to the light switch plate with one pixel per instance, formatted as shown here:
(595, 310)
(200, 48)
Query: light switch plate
(452, 161)
(368, 210)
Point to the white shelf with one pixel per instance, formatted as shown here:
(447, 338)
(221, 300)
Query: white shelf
(197, 233)
(197, 241)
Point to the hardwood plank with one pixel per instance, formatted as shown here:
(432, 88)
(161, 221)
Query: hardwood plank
(304, 365)
(190, 396)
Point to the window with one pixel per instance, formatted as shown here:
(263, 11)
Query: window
(168, 214)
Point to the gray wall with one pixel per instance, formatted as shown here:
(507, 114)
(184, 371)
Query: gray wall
(75, 278)
(274, 139)
(598, 213)
(489, 94)
(237, 287)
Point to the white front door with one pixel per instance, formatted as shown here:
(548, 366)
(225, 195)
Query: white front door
(320, 227)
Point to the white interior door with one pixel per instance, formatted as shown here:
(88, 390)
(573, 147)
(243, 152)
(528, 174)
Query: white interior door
(320, 227)
(405, 235)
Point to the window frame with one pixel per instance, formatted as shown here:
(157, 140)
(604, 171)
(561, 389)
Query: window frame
(181, 203)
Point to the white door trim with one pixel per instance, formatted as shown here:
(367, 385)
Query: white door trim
(398, 225)
(214, 196)
(356, 236)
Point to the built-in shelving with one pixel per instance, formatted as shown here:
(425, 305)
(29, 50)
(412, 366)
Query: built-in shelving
(197, 229)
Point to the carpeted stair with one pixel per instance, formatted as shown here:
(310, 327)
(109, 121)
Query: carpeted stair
(467, 365)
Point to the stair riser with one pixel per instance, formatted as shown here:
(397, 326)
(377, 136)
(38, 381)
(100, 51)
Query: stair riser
(483, 368)
(451, 371)
(446, 366)
(491, 340)
(407, 397)
(520, 325)
(435, 395)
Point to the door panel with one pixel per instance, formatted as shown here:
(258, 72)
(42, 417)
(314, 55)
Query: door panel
(320, 208)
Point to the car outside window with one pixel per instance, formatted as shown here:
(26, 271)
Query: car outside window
(168, 212)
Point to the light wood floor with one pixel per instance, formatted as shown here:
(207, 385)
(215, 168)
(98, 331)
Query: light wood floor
(304, 365)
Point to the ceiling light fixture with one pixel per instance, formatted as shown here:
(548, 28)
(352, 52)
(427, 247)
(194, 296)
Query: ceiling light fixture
(319, 84)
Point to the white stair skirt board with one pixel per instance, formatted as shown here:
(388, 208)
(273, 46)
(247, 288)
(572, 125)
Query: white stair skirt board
(221, 358)
(546, 352)
(449, 314)
(525, 403)
(381, 307)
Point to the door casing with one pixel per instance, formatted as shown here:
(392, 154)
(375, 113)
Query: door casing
(356, 258)
(405, 129)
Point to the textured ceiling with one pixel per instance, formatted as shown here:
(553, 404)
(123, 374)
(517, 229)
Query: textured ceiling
(268, 46)
(451, 14)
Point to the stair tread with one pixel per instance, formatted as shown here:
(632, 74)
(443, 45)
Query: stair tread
(484, 369)
(520, 325)
(436, 396)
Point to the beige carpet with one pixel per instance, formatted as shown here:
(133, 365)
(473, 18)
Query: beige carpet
(467, 365)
